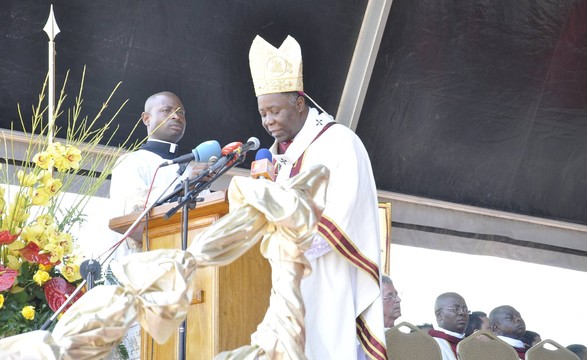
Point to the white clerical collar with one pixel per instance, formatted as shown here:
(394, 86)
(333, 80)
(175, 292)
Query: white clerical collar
(451, 333)
(513, 342)
(172, 146)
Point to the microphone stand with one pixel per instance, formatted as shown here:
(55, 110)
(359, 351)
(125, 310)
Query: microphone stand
(202, 186)
(163, 199)
(187, 203)
(90, 271)
(184, 245)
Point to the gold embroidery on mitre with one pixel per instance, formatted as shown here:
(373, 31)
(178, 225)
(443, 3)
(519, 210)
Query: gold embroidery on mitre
(276, 70)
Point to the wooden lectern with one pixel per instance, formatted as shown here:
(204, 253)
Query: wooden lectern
(229, 301)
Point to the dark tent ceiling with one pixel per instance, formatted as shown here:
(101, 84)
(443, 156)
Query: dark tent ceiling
(483, 103)
(473, 102)
(197, 49)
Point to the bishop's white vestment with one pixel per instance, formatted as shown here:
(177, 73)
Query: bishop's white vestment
(342, 295)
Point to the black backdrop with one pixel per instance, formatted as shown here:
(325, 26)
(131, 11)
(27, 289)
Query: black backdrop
(483, 103)
(196, 49)
(474, 101)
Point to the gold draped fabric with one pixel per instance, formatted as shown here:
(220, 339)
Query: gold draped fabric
(156, 285)
(285, 216)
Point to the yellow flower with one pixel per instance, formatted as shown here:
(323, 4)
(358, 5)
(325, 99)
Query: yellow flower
(44, 176)
(55, 250)
(52, 186)
(35, 232)
(43, 160)
(13, 262)
(41, 277)
(66, 158)
(28, 312)
(73, 157)
(45, 267)
(41, 197)
(18, 211)
(45, 220)
(27, 180)
(55, 149)
(1, 301)
(71, 272)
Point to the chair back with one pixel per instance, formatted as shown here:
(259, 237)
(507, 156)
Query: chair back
(410, 345)
(484, 345)
(555, 352)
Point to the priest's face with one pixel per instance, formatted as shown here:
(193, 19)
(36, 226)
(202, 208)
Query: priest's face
(164, 117)
(507, 321)
(452, 313)
(283, 115)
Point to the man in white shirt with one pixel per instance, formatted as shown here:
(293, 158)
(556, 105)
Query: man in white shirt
(130, 187)
(507, 323)
(165, 122)
(452, 317)
(391, 302)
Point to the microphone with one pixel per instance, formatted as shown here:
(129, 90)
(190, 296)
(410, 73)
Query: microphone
(230, 153)
(238, 148)
(263, 167)
(206, 151)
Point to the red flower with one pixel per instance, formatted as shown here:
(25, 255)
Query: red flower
(57, 290)
(31, 254)
(7, 238)
(7, 277)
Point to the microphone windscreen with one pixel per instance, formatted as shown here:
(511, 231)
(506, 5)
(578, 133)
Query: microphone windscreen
(263, 165)
(263, 154)
(231, 147)
(207, 150)
(255, 141)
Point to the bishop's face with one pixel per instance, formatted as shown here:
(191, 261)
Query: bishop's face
(282, 115)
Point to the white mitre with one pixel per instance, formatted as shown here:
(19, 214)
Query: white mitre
(276, 70)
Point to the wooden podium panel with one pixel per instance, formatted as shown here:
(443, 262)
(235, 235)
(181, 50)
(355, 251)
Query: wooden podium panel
(229, 301)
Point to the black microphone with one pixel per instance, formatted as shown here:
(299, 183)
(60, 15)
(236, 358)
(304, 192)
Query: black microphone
(203, 152)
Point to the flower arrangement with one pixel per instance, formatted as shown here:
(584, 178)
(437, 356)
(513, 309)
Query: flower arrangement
(42, 200)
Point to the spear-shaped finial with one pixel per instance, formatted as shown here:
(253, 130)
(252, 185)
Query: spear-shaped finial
(51, 27)
(52, 30)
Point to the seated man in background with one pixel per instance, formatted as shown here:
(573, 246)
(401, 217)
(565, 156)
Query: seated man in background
(579, 350)
(477, 321)
(507, 324)
(452, 317)
(391, 302)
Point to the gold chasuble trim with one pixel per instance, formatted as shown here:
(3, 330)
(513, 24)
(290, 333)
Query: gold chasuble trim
(338, 240)
(372, 346)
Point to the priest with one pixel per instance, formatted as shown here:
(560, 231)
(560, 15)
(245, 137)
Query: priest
(133, 178)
